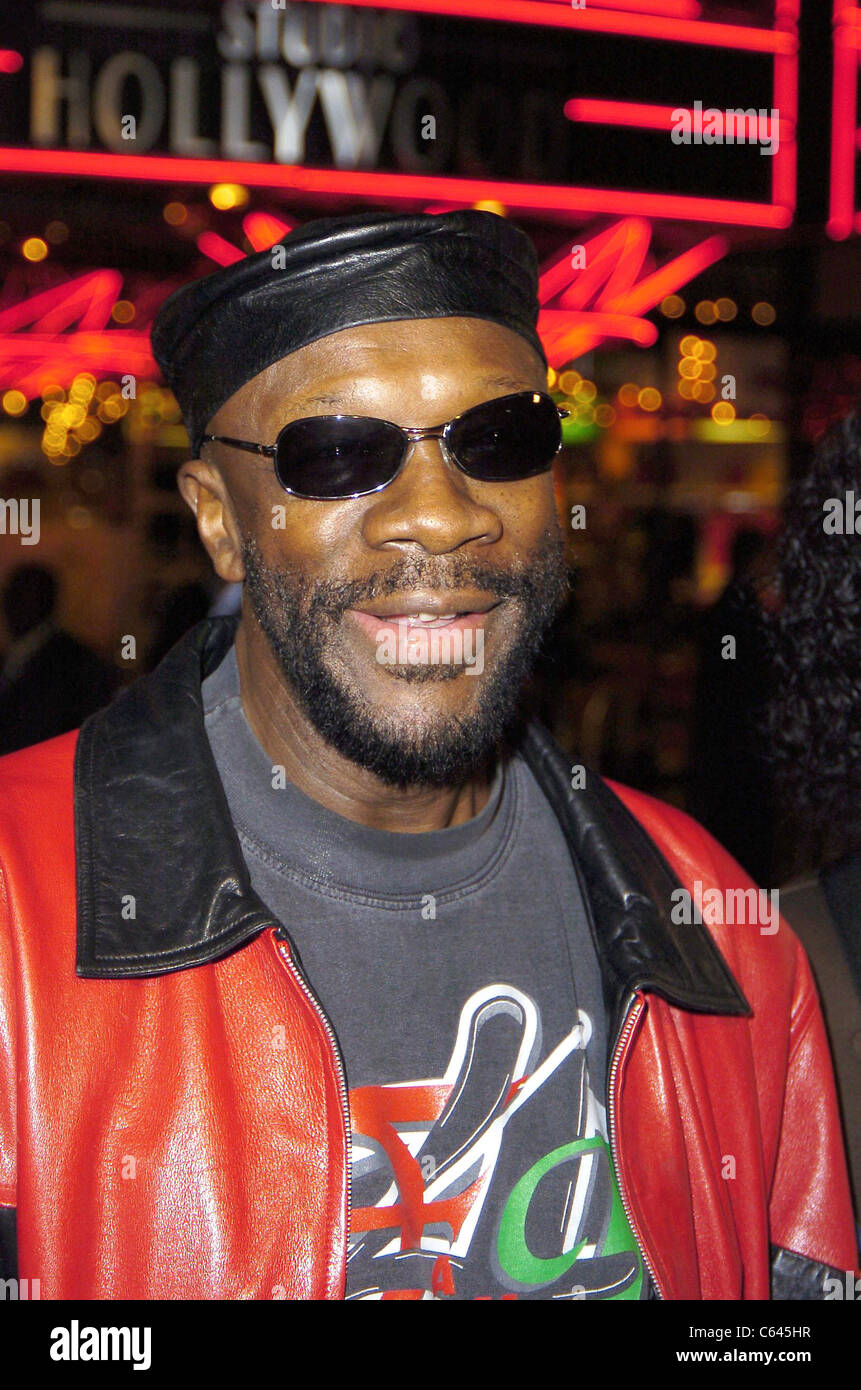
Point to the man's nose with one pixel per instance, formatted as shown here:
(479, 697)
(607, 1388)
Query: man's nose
(431, 503)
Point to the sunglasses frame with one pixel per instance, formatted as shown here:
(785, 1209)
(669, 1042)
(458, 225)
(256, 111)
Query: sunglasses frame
(409, 434)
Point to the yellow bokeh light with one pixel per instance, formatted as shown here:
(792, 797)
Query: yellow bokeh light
(551, 378)
(82, 388)
(123, 311)
(628, 394)
(690, 368)
(105, 389)
(708, 351)
(88, 430)
(763, 313)
(34, 249)
(760, 425)
(112, 409)
(706, 312)
(723, 413)
(685, 389)
(649, 399)
(14, 402)
(569, 381)
(703, 391)
(73, 414)
(586, 392)
(726, 309)
(225, 196)
(673, 306)
(688, 344)
(174, 214)
(707, 371)
(604, 416)
(490, 205)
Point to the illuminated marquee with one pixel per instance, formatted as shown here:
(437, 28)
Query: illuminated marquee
(288, 99)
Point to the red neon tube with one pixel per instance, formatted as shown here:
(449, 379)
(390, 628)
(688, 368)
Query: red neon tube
(636, 26)
(682, 9)
(218, 250)
(395, 188)
(844, 119)
(596, 111)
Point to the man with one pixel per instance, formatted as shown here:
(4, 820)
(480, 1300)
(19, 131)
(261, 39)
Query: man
(330, 981)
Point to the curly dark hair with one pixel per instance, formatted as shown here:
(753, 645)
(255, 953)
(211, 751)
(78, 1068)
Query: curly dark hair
(815, 712)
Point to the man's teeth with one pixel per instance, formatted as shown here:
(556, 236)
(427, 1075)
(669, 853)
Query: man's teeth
(434, 617)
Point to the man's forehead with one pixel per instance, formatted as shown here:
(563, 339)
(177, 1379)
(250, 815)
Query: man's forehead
(429, 358)
(490, 380)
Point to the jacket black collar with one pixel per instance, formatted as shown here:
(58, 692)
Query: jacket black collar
(162, 884)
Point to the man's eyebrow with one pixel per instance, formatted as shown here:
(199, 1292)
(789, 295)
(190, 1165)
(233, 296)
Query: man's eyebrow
(511, 383)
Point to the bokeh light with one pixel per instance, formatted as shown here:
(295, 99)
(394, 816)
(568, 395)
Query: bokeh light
(34, 249)
(226, 196)
(673, 306)
(174, 214)
(763, 313)
(706, 312)
(14, 402)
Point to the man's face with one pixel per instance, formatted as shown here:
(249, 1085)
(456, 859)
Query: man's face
(404, 621)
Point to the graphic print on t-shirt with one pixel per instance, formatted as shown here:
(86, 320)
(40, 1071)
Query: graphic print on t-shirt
(494, 1180)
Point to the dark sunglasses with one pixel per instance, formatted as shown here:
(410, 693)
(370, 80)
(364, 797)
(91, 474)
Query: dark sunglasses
(332, 457)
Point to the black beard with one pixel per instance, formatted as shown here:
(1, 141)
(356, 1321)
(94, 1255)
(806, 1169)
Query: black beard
(297, 618)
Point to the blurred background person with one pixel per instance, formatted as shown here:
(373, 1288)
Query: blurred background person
(731, 777)
(815, 718)
(49, 682)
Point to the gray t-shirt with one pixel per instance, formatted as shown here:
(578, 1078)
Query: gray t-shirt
(458, 972)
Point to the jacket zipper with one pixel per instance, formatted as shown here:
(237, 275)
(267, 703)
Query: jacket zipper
(631, 1018)
(281, 940)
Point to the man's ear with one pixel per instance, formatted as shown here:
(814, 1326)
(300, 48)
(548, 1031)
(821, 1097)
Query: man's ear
(202, 487)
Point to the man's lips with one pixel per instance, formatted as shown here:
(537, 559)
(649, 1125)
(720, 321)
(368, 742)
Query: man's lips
(415, 613)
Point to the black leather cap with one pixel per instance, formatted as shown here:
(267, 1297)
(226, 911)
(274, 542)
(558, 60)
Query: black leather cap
(215, 334)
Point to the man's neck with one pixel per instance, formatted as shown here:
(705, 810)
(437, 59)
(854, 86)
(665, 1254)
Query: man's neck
(318, 770)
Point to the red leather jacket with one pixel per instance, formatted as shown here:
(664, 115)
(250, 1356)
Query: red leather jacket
(173, 1113)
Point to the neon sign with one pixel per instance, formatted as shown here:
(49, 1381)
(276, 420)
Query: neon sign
(36, 349)
(594, 295)
(845, 135)
(276, 104)
(605, 298)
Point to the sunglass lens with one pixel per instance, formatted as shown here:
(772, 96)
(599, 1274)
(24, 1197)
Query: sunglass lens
(328, 457)
(507, 439)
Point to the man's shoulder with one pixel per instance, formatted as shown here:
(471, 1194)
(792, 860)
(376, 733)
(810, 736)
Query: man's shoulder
(33, 779)
(677, 834)
(743, 919)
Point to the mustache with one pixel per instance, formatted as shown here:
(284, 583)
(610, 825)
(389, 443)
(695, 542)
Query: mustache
(333, 598)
